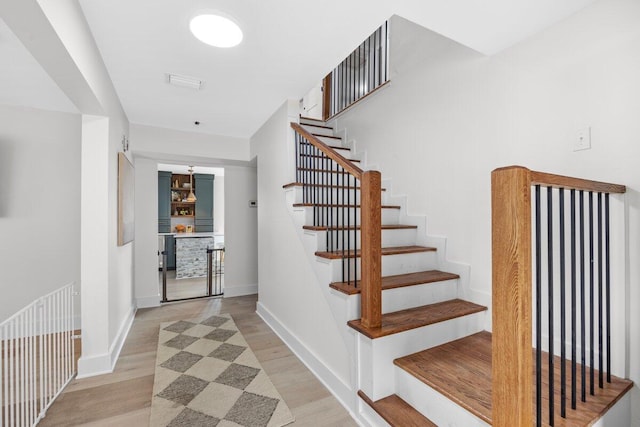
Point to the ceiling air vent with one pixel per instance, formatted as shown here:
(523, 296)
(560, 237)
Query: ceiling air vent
(185, 81)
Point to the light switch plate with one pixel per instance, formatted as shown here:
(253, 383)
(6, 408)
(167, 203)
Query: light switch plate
(583, 139)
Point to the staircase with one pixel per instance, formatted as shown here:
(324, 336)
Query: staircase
(428, 361)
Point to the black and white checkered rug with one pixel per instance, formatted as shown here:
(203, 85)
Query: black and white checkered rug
(206, 375)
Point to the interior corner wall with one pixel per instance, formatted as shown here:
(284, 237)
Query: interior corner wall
(218, 204)
(288, 288)
(450, 116)
(39, 204)
(241, 232)
(146, 282)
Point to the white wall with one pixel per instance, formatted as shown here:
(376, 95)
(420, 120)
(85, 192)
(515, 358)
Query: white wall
(218, 204)
(450, 116)
(146, 290)
(288, 289)
(241, 232)
(171, 145)
(39, 204)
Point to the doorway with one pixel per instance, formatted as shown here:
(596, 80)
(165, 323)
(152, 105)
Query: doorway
(191, 247)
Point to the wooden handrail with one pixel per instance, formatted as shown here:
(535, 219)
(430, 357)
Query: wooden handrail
(512, 359)
(568, 182)
(331, 153)
(370, 230)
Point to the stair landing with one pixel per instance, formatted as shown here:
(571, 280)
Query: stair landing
(461, 371)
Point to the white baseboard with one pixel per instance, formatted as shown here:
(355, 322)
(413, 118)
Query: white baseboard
(240, 290)
(105, 363)
(148, 302)
(341, 391)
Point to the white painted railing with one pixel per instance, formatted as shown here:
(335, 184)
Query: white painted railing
(37, 357)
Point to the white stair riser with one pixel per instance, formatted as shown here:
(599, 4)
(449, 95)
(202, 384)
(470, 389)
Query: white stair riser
(305, 121)
(414, 296)
(370, 416)
(438, 408)
(376, 375)
(391, 265)
(318, 130)
(325, 178)
(351, 216)
(333, 195)
(351, 238)
(411, 296)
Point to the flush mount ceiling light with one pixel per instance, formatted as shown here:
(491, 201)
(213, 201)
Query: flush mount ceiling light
(216, 30)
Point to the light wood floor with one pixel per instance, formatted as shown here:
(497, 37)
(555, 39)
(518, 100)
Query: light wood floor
(123, 398)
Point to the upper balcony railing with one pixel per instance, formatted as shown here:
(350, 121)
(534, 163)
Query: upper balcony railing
(363, 71)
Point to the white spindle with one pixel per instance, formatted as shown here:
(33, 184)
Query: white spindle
(36, 358)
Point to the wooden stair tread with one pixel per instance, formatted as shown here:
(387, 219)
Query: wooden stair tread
(300, 184)
(326, 205)
(397, 412)
(461, 371)
(417, 317)
(400, 280)
(351, 228)
(393, 250)
(311, 118)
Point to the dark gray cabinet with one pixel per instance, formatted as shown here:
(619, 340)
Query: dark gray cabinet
(164, 202)
(204, 202)
(170, 247)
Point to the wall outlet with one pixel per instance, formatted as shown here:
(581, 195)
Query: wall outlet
(583, 139)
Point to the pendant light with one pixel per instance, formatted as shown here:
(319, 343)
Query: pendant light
(191, 197)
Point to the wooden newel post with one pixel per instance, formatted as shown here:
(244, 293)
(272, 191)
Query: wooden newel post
(512, 359)
(371, 244)
(326, 97)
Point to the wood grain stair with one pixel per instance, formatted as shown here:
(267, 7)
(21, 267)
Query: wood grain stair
(417, 317)
(394, 250)
(461, 371)
(400, 281)
(397, 412)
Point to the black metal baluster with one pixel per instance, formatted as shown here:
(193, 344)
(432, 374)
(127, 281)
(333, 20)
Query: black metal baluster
(591, 285)
(607, 283)
(348, 208)
(573, 300)
(600, 353)
(550, 298)
(563, 326)
(342, 240)
(538, 263)
(582, 301)
(386, 49)
(316, 179)
(355, 229)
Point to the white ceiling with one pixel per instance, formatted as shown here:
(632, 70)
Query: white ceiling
(288, 46)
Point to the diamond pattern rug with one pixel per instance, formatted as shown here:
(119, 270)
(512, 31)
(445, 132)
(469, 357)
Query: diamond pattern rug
(206, 375)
